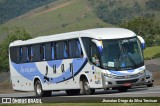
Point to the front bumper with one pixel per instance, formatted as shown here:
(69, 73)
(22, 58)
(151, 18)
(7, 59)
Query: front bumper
(126, 82)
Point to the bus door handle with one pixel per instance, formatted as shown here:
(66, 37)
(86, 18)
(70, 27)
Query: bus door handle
(62, 68)
(71, 70)
(54, 68)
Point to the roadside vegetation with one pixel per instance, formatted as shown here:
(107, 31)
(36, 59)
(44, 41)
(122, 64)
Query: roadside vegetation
(145, 27)
(118, 11)
(152, 52)
(16, 34)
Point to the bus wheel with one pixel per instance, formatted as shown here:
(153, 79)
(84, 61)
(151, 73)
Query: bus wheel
(39, 91)
(86, 88)
(73, 92)
(122, 89)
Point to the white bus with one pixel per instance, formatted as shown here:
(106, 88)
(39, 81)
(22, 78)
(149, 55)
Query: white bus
(78, 62)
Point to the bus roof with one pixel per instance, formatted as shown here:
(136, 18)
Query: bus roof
(97, 33)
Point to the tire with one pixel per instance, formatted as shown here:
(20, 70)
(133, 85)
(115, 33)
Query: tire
(122, 89)
(73, 92)
(149, 85)
(86, 88)
(39, 91)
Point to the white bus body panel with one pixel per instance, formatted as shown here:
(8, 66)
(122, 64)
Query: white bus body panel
(23, 75)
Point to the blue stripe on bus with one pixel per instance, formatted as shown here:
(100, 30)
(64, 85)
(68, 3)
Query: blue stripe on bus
(77, 67)
(55, 62)
(30, 70)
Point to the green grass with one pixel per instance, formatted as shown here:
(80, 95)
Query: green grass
(152, 52)
(90, 104)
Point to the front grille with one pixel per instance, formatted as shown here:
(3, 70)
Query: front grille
(127, 81)
(119, 77)
(126, 76)
(134, 75)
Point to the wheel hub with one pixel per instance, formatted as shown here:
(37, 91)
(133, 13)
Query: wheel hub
(39, 89)
(86, 85)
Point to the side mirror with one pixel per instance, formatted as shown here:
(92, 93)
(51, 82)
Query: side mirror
(99, 45)
(143, 44)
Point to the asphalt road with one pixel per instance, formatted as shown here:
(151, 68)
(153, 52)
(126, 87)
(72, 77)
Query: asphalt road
(100, 95)
(142, 91)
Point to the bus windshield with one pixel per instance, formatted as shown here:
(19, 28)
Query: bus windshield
(121, 54)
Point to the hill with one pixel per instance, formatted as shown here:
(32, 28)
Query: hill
(10, 9)
(70, 15)
(59, 16)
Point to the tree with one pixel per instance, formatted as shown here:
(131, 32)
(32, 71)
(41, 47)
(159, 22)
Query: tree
(153, 5)
(115, 12)
(17, 34)
(136, 8)
(146, 28)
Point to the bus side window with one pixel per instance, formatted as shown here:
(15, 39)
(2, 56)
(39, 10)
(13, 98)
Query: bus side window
(24, 54)
(42, 52)
(14, 54)
(86, 43)
(33, 53)
(91, 50)
(61, 50)
(28, 53)
(65, 50)
(20, 54)
(75, 49)
(53, 51)
(48, 51)
(94, 55)
(79, 51)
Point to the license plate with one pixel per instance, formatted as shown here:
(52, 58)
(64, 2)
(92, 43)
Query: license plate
(127, 84)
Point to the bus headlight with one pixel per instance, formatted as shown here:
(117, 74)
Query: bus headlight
(141, 72)
(108, 75)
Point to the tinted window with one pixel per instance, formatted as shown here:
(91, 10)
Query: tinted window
(87, 46)
(53, 50)
(42, 49)
(34, 53)
(20, 54)
(74, 49)
(91, 50)
(25, 54)
(48, 51)
(14, 54)
(61, 50)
